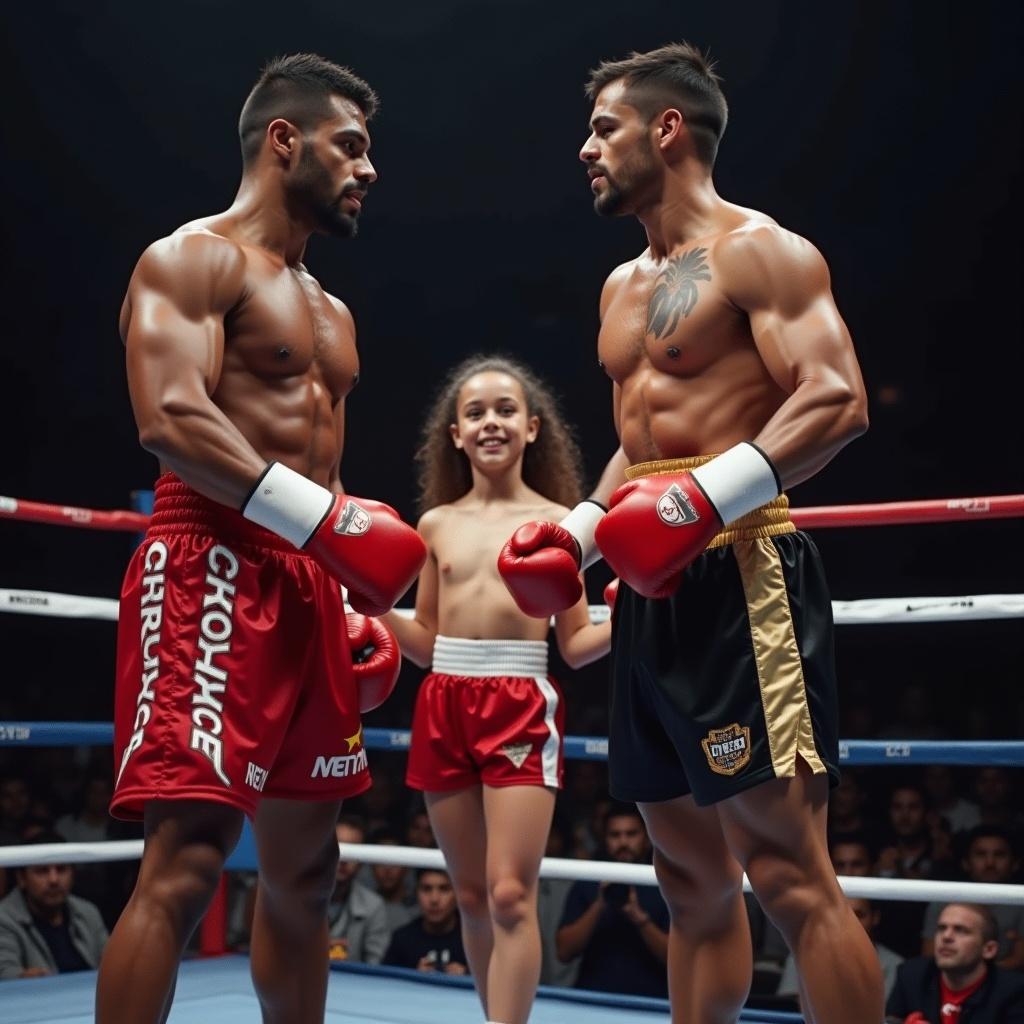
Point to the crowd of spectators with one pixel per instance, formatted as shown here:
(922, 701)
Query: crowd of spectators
(934, 823)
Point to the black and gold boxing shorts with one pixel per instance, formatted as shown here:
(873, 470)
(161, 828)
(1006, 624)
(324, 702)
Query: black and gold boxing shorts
(731, 680)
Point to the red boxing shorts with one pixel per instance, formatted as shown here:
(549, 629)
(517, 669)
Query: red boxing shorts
(487, 713)
(234, 677)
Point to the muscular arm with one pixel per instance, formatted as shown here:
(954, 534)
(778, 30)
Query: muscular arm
(173, 330)
(782, 283)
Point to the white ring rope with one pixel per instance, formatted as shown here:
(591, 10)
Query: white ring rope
(846, 613)
(915, 890)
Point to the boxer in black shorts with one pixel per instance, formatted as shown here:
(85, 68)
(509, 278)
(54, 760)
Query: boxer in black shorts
(733, 377)
(712, 719)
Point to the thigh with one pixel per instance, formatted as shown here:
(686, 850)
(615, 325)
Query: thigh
(187, 837)
(784, 815)
(457, 818)
(518, 820)
(295, 840)
(690, 838)
(643, 757)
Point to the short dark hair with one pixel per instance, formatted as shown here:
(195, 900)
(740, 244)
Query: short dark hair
(989, 832)
(420, 872)
(622, 809)
(299, 88)
(677, 74)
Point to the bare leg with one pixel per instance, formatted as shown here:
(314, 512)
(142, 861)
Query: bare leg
(777, 832)
(298, 855)
(710, 962)
(186, 843)
(518, 822)
(458, 822)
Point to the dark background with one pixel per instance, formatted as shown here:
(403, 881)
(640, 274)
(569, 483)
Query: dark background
(887, 133)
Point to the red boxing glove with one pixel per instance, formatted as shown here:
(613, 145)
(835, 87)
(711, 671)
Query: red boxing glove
(376, 659)
(541, 562)
(657, 525)
(611, 592)
(917, 1017)
(362, 543)
(540, 566)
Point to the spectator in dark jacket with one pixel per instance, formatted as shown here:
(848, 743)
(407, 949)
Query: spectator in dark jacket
(960, 983)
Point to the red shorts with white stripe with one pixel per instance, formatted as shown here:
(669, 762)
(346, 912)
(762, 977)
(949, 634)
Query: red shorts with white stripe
(488, 713)
(234, 677)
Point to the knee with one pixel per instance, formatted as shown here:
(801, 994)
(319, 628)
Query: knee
(787, 891)
(183, 888)
(308, 882)
(696, 893)
(509, 901)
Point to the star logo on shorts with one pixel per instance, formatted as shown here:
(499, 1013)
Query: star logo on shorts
(517, 753)
(353, 520)
(675, 508)
(355, 740)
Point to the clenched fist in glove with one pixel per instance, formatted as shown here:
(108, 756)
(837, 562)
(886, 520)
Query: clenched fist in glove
(657, 525)
(376, 659)
(360, 542)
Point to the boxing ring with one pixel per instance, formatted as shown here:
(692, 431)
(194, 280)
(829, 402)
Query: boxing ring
(219, 987)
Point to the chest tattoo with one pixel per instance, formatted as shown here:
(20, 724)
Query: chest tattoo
(675, 291)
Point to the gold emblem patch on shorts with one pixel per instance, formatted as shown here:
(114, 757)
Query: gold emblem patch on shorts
(728, 749)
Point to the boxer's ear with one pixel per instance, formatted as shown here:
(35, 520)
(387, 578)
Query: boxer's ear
(453, 429)
(532, 429)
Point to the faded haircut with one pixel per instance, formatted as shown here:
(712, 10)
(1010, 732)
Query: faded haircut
(298, 88)
(677, 75)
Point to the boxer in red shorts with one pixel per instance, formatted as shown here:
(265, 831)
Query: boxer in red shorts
(487, 731)
(236, 693)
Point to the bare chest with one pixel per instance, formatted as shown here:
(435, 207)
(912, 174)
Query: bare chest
(287, 327)
(467, 552)
(673, 317)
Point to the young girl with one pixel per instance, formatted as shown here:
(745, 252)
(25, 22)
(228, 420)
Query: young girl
(487, 731)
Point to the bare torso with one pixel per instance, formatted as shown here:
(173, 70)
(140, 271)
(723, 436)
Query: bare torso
(288, 358)
(464, 540)
(690, 378)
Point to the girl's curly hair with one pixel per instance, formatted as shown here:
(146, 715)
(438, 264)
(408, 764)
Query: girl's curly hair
(551, 464)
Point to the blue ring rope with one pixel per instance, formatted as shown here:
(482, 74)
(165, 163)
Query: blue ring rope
(1005, 753)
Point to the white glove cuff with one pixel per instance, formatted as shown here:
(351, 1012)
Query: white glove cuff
(739, 481)
(581, 522)
(288, 504)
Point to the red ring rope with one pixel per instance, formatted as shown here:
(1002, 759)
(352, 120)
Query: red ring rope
(939, 510)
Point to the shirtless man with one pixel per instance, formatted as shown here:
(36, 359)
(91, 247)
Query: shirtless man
(721, 337)
(236, 694)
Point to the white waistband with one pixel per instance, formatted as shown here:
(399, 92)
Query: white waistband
(457, 657)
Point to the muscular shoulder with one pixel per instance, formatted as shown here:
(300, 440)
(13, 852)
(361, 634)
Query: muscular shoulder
(615, 280)
(762, 264)
(202, 271)
(342, 310)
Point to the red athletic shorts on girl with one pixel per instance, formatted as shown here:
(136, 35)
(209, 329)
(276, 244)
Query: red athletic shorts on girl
(487, 713)
(234, 676)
